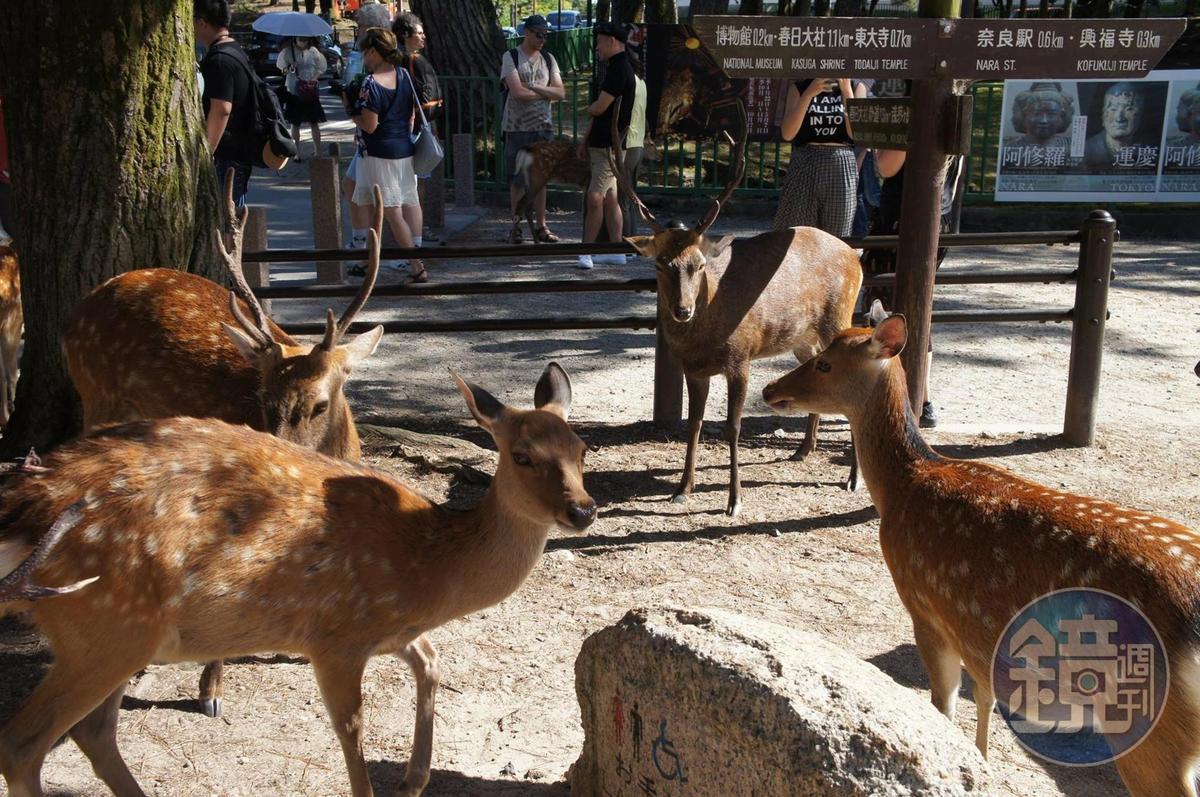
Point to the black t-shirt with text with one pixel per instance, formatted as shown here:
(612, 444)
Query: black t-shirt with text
(226, 77)
(825, 122)
(620, 83)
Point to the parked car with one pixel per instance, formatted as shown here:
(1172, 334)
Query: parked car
(564, 20)
(264, 49)
(509, 32)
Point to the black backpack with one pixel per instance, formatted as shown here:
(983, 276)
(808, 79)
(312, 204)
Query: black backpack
(268, 128)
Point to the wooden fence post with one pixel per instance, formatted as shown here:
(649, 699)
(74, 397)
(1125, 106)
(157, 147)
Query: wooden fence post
(1087, 327)
(254, 239)
(325, 184)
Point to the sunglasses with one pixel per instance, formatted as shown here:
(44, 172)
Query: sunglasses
(539, 34)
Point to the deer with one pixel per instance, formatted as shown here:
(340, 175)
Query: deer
(155, 343)
(207, 540)
(539, 163)
(724, 303)
(11, 322)
(969, 544)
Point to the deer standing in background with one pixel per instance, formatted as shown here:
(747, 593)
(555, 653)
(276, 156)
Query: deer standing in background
(969, 545)
(156, 343)
(11, 322)
(209, 541)
(724, 303)
(539, 163)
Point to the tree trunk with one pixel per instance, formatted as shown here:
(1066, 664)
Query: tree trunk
(662, 11)
(750, 7)
(849, 8)
(628, 10)
(709, 7)
(464, 36)
(108, 162)
(603, 10)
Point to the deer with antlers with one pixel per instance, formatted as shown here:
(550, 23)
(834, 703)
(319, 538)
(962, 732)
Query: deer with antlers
(208, 540)
(156, 343)
(722, 304)
(969, 545)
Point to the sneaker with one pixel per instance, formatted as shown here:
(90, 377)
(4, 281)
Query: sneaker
(928, 418)
(585, 261)
(609, 260)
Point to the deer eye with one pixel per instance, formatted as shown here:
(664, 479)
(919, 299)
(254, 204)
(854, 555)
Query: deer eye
(824, 367)
(521, 459)
(319, 408)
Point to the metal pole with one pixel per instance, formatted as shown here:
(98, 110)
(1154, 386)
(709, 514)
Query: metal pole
(668, 384)
(1087, 334)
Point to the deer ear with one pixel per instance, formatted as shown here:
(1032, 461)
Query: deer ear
(486, 408)
(644, 244)
(553, 391)
(245, 346)
(877, 315)
(715, 248)
(361, 347)
(889, 337)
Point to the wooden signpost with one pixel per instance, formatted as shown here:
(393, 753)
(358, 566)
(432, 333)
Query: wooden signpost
(934, 51)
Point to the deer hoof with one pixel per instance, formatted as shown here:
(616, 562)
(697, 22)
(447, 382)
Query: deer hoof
(211, 706)
(851, 484)
(802, 453)
(679, 498)
(734, 508)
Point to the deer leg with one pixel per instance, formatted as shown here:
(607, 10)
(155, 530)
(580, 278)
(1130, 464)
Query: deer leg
(340, 682)
(422, 657)
(96, 735)
(985, 702)
(85, 672)
(943, 664)
(809, 444)
(697, 398)
(852, 481)
(212, 688)
(733, 432)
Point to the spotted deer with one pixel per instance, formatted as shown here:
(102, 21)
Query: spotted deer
(156, 343)
(208, 541)
(11, 322)
(969, 545)
(724, 303)
(539, 163)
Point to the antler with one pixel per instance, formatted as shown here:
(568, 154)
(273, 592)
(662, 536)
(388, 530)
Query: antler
(616, 157)
(334, 333)
(737, 160)
(16, 586)
(259, 331)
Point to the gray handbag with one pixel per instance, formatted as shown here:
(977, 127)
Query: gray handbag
(428, 150)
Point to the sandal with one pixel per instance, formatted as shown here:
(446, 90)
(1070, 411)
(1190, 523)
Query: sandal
(544, 236)
(514, 237)
(420, 276)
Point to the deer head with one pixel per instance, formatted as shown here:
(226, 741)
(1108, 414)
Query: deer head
(300, 387)
(681, 253)
(540, 471)
(836, 380)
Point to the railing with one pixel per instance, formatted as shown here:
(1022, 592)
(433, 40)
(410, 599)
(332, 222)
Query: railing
(683, 167)
(1088, 313)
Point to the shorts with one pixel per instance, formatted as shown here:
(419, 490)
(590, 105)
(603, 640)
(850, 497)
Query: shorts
(603, 177)
(394, 176)
(513, 142)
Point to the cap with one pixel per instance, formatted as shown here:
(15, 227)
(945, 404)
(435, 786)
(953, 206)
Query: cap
(617, 30)
(536, 21)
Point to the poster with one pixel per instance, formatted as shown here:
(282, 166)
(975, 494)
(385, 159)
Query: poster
(1101, 140)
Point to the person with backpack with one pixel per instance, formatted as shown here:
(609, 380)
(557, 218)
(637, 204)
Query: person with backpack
(302, 64)
(229, 97)
(529, 81)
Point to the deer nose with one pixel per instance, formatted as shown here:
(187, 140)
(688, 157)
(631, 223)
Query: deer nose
(769, 392)
(581, 515)
(684, 313)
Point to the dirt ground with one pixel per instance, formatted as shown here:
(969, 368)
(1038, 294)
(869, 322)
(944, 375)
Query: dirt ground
(804, 551)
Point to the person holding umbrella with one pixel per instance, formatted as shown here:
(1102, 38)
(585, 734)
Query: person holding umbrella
(302, 65)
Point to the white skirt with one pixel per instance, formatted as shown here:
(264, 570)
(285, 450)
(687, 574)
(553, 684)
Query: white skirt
(394, 176)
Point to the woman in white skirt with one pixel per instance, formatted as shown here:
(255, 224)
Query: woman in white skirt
(384, 113)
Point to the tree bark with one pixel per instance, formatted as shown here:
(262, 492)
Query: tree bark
(709, 7)
(849, 8)
(110, 172)
(750, 8)
(662, 11)
(628, 10)
(463, 36)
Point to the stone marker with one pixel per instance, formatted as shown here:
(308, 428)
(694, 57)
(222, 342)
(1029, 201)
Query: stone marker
(681, 702)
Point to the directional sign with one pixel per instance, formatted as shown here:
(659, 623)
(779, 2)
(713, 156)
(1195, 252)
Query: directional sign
(1058, 48)
(792, 47)
(795, 47)
(880, 121)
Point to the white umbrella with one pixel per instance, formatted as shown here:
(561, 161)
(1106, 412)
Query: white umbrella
(292, 23)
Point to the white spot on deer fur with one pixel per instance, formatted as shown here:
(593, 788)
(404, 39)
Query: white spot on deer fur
(1175, 551)
(175, 467)
(1122, 519)
(150, 544)
(93, 533)
(178, 557)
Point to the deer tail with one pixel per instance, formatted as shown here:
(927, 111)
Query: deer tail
(524, 163)
(16, 585)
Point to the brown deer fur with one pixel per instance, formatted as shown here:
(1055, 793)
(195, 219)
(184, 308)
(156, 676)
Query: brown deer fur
(538, 164)
(11, 321)
(210, 541)
(969, 545)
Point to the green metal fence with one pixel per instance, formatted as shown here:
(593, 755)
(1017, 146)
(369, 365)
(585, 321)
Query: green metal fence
(473, 105)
